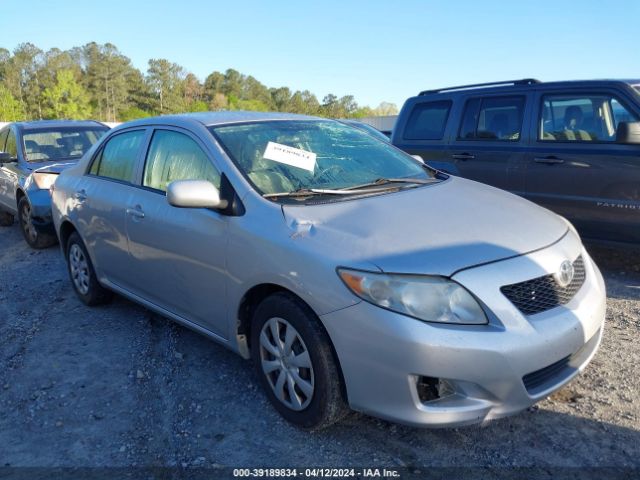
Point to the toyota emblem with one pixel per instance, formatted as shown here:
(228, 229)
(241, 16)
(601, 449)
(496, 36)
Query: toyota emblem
(565, 274)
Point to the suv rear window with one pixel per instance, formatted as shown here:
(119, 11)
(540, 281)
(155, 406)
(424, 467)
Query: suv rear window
(494, 118)
(428, 121)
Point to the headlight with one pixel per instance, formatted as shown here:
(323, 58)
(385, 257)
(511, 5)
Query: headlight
(428, 298)
(44, 180)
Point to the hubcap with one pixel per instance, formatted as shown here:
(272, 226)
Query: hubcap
(286, 363)
(27, 223)
(79, 269)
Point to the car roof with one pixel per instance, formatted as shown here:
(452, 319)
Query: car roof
(38, 124)
(210, 119)
(527, 83)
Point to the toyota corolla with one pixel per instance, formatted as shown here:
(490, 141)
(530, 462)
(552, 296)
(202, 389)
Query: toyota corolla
(349, 272)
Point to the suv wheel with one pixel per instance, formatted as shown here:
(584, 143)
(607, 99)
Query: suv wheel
(34, 238)
(83, 276)
(6, 219)
(293, 358)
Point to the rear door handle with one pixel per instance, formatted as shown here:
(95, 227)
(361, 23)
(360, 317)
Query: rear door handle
(135, 212)
(548, 160)
(463, 156)
(80, 196)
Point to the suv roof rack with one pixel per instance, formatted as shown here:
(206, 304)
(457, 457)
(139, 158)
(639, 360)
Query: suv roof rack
(524, 81)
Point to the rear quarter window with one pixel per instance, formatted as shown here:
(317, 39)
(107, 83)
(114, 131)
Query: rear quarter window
(427, 121)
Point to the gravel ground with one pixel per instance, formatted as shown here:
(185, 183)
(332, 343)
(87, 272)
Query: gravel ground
(118, 386)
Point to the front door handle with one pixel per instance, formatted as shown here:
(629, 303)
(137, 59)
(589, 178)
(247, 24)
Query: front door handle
(463, 156)
(548, 160)
(135, 212)
(80, 195)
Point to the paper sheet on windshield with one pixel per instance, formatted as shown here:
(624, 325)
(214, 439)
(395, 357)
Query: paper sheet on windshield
(290, 156)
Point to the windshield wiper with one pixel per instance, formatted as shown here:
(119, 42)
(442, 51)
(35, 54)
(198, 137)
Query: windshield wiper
(386, 181)
(364, 188)
(308, 192)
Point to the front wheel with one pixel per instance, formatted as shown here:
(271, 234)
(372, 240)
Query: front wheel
(295, 363)
(34, 238)
(83, 276)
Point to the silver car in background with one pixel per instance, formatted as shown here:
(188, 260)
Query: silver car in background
(351, 273)
(32, 154)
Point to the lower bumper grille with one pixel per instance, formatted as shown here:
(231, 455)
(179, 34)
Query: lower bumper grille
(533, 381)
(551, 375)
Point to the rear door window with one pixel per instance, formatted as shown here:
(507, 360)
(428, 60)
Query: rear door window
(117, 159)
(428, 121)
(493, 118)
(582, 118)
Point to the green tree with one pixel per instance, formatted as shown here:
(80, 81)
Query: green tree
(21, 77)
(10, 108)
(166, 81)
(386, 108)
(113, 83)
(67, 98)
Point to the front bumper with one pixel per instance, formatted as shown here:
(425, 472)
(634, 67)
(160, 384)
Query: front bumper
(383, 354)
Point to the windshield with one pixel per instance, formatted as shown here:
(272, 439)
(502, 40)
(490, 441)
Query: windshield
(287, 156)
(46, 145)
(369, 129)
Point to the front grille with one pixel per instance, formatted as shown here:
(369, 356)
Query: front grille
(534, 380)
(544, 293)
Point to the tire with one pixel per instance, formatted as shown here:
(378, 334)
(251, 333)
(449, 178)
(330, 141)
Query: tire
(6, 219)
(322, 404)
(82, 275)
(33, 237)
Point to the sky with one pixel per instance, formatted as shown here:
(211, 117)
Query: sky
(375, 50)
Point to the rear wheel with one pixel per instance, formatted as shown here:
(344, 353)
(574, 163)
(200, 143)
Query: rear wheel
(6, 219)
(34, 238)
(295, 363)
(83, 276)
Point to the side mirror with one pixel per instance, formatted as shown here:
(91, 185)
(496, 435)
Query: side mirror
(419, 158)
(5, 157)
(194, 194)
(628, 132)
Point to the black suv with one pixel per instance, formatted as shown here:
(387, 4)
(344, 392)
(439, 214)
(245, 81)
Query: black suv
(573, 147)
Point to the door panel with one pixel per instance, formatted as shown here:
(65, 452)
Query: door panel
(179, 258)
(101, 210)
(9, 173)
(179, 254)
(490, 143)
(102, 197)
(576, 168)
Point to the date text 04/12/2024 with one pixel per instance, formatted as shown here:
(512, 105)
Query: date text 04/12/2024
(316, 472)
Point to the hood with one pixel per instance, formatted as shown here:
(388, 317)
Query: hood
(436, 229)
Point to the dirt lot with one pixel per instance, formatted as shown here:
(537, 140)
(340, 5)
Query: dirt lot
(120, 386)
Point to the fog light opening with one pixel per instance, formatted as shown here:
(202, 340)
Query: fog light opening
(430, 389)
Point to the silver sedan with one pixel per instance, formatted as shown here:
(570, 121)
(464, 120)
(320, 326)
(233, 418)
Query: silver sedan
(349, 272)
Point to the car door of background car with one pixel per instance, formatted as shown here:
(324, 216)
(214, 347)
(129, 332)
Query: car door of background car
(178, 254)
(490, 141)
(102, 196)
(576, 168)
(4, 193)
(9, 172)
